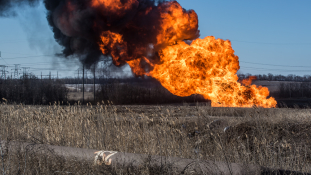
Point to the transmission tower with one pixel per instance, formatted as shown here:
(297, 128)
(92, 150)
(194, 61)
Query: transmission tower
(25, 71)
(16, 70)
(2, 71)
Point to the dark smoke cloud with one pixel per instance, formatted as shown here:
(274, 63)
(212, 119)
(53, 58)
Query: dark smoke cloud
(77, 26)
(8, 7)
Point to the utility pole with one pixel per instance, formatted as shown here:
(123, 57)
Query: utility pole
(3, 72)
(25, 72)
(41, 92)
(85, 77)
(16, 69)
(83, 84)
(78, 80)
(2, 69)
(94, 83)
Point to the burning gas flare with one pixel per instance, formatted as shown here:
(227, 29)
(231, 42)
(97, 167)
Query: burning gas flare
(157, 40)
(208, 67)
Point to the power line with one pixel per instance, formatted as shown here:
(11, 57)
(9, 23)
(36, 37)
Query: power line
(48, 63)
(38, 69)
(37, 39)
(273, 64)
(276, 69)
(3, 58)
(30, 56)
(254, 42)
(15, 53)
(51, 62)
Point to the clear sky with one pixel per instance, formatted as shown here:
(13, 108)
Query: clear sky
(268, 36)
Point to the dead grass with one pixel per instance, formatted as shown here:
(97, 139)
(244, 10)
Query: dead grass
(278, 138)
(78, 96)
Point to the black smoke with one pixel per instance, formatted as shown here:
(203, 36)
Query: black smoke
(8, 7)
(77, 26)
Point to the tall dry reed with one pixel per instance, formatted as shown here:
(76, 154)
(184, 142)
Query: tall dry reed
(278, 138)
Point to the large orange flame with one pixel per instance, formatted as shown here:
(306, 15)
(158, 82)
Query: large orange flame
(207, 66)
(154, 39)
(176, 24)
(110, 44)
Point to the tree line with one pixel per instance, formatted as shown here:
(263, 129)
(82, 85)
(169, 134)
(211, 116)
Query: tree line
(278, 77)
(29, 89)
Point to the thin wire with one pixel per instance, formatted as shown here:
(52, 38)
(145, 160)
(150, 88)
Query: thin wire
(4, 60)
(251, 42)
(26, 39)
(49, 63)
(272, 64)
(277, 69)
(15, 53)
(29, 56)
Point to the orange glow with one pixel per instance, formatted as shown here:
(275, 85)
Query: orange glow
(114, 5)
(248, 81)
(136, 68)
(176, 24)
(109, 44)
(208, 67)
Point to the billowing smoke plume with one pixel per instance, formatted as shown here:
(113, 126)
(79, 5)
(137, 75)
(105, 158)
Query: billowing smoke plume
(126, 30)
(156, 39)
(7, 7)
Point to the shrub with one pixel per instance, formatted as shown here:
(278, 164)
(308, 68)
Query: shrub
(31, 90)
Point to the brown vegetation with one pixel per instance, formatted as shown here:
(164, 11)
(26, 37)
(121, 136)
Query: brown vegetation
(278, 138)
(31, 90)
(127, 93)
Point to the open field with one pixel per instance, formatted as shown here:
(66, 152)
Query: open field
(298, 95)
(78, 96)
(138, 94)
(278, 138)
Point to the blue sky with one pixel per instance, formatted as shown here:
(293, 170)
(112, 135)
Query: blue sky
(274, 32)
(28, 40)
(268, 36)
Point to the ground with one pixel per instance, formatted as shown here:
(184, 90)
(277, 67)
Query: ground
(278, 138)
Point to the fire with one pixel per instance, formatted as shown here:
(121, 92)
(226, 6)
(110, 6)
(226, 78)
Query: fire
(136, 68)
(114, 5)
(160, 40)
(249, 80)
(176, 24)
(207, 66)
(113, 44)
(173, 24)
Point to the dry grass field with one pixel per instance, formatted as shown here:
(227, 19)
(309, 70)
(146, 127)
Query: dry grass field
(78, 96)
(278, 138)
